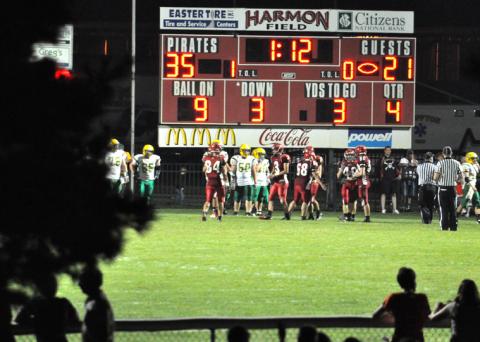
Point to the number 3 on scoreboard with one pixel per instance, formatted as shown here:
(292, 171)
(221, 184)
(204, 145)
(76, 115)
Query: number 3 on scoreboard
(257, 109)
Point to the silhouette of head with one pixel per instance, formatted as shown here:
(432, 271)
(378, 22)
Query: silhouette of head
(468, 292)
(307, 334)
(429, 157)
(351, 339)
(447, 151)
(47, 286)
(406, 278)
(238, 334)
(322, 337)
(90, 280)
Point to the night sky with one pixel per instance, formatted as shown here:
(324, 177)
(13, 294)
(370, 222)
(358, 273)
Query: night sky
(428, 13)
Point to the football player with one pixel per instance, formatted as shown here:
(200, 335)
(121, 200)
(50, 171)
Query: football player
(226, 184)
(316, 183)
(117, 167)
(147, 166)
(214, 168)
(261, 189)
(347, 173)
(363, 179)
(245, 177)
(471, 169)
(305, 169)
(279, 165)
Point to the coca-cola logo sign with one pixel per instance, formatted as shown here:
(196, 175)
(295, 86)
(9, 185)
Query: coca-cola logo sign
(287, 137)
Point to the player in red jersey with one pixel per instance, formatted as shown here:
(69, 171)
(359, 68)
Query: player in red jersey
(316, 183)
(363, 181)
(347, 173)
(303, 177)
(279, 165)
(214, 168)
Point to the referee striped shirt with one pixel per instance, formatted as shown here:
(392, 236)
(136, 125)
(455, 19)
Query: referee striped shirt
(425, 173)
(449, 171)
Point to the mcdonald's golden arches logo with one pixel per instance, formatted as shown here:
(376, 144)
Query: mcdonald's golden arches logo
(200, 137)
(226, 132)
(177, 132)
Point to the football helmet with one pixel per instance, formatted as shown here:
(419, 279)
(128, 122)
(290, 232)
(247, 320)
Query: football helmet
(147, 149)
(308, 152)
(114, 143)
(217, 141)
(277, 148)
(214, 147)
(471, 157)
(259, 153)
(244, 150)
(349, 154)
(361, 150)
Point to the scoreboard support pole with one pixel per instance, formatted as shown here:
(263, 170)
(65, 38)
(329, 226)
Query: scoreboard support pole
(132, 91)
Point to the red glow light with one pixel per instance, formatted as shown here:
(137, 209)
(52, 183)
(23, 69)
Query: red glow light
(367, 68)
(394, 110)
(63, 74)
(257, 106)
(200, 104)
(340, 110)
(302, 52)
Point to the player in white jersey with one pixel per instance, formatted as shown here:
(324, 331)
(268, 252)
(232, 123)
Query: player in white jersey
(471, 193)
(260, 196)
(147, 166)
(117, 167)
(245, 178)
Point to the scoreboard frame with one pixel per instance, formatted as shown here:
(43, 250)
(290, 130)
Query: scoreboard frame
(240, 64)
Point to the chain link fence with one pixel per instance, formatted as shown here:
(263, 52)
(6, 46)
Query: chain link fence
(284, 329)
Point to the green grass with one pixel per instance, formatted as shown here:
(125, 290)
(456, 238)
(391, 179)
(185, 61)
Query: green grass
(247, 267)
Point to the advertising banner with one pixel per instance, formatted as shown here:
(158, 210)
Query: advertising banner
(189, 137)
(61, 52)
(286, 20)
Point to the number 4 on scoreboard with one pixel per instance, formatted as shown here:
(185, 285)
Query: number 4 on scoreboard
(393, 111)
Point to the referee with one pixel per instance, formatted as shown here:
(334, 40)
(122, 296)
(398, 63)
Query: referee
(427, 188)
(447, 174)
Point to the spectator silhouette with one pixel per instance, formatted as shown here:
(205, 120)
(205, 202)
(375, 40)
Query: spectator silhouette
(238, 334)
(322, 337)
(307, 334)
(47, 314)
(98, 324)
(464, 312)
(409, 309)
(352, 339)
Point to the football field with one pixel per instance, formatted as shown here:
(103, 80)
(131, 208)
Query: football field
(182, 267)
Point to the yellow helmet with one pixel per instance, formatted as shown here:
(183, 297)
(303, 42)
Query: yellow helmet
(471, 157)
(147, 148)
(244, 150)
(128, 156)
(114, 142)
(258, 152)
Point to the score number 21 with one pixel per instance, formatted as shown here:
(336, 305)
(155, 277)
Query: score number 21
(256, 109)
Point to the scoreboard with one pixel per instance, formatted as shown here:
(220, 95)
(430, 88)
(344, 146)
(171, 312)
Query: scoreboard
(247, 80)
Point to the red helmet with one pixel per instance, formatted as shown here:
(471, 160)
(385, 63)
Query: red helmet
(214, 148)
(277, 148)
(308, 152)
(361, 150)
(349, 154)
